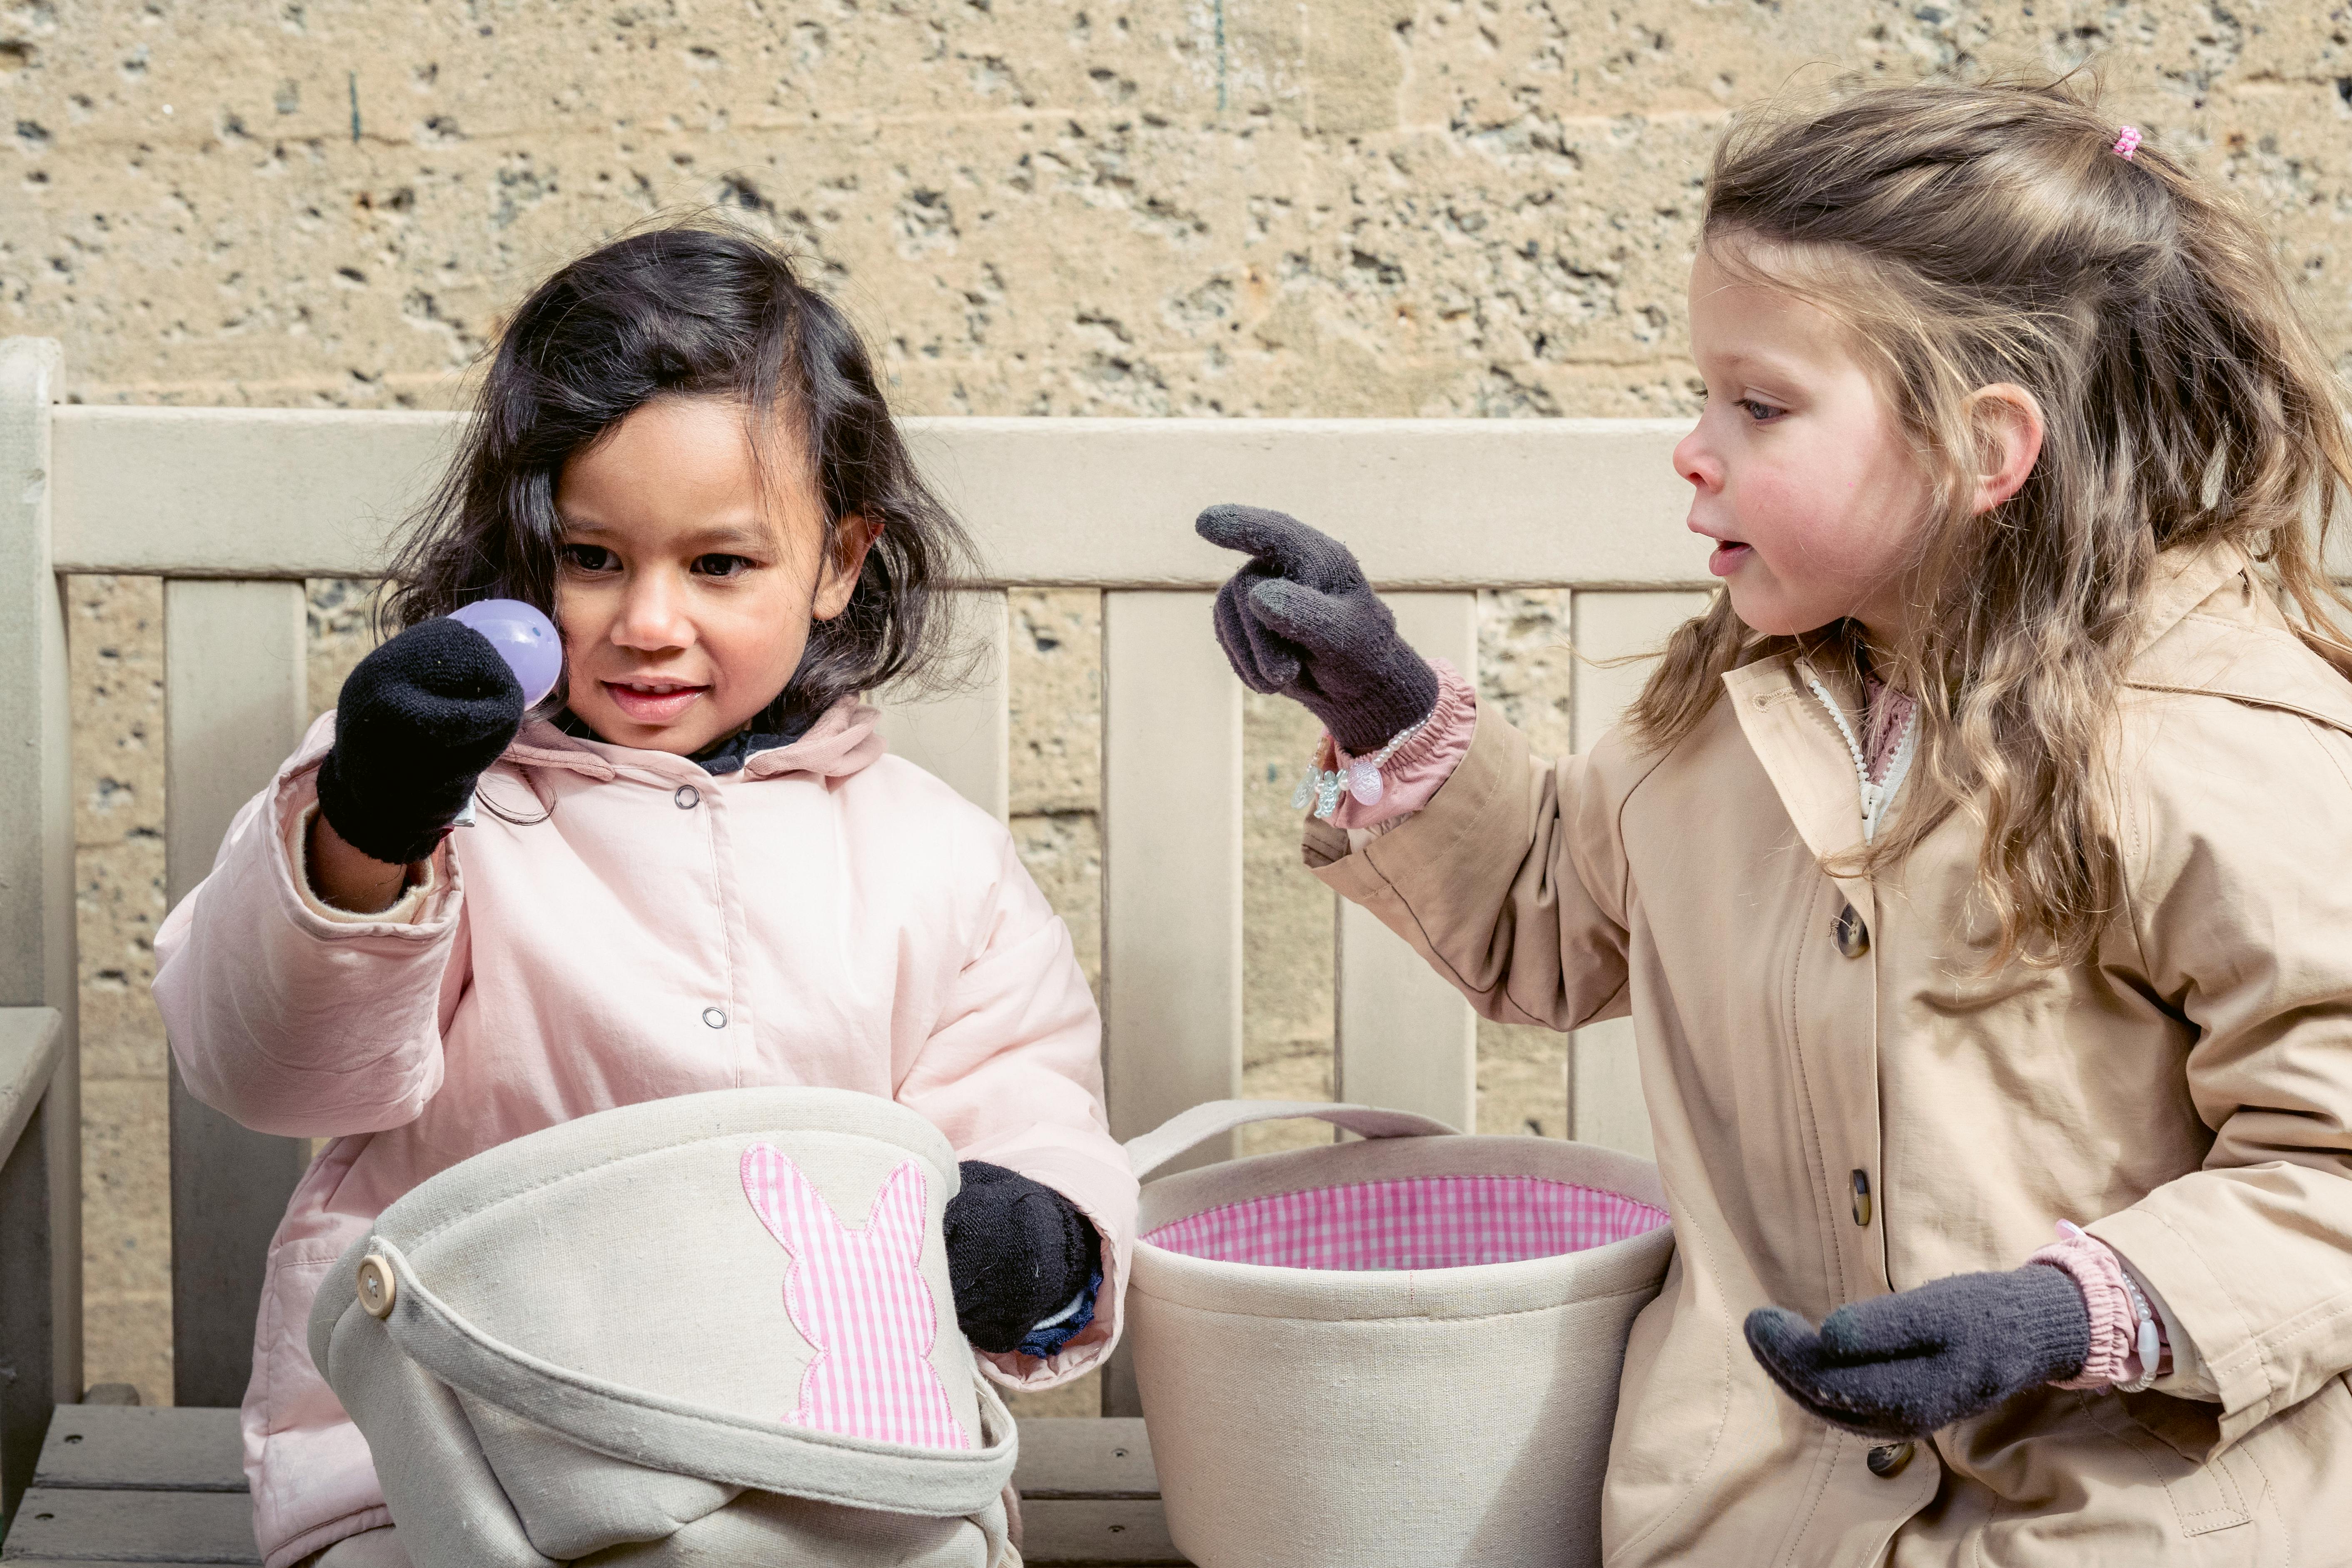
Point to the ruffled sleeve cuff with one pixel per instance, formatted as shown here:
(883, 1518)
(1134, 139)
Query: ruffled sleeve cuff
(1411, 778)
(2098, 1271)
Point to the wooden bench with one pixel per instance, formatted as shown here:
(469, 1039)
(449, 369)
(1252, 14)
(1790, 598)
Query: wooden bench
(234, 508)
(121, 1484)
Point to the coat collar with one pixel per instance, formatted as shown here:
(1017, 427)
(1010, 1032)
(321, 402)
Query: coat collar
(845, 740)
(2248, 659)
(1805, 757)
(2182, 580)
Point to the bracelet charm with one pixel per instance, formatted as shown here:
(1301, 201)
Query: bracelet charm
(1359, 777)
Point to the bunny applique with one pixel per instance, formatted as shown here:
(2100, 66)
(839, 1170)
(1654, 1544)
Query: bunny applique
(859, 1297)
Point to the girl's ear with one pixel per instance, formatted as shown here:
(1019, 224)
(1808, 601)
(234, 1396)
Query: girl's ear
(851, 537)
(2007, 422)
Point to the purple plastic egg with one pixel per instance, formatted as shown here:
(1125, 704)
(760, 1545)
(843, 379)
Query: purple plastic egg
(524, 638)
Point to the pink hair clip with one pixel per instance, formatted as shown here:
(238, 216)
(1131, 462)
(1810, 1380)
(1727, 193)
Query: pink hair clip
(2128, 142)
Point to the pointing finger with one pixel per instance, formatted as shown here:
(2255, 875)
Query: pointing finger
(1275, 538)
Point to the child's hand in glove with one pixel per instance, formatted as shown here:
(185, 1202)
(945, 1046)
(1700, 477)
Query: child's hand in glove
(1300, 620)
(1018, 1252)
(418, 720)
(1914, 1363)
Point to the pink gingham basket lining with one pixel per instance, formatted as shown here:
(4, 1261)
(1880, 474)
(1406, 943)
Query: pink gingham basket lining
(1414, 1222)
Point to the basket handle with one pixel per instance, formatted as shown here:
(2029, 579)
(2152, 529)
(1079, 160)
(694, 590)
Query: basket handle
(1189, 1128)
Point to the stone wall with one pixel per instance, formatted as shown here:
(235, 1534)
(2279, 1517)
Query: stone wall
(1216, 208)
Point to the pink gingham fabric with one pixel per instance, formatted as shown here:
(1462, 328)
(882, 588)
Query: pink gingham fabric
(1415, 1221)
(859, 1297)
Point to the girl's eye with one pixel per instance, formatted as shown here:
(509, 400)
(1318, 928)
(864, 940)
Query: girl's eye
(1761, 412)
(587, 557)
(722, 566)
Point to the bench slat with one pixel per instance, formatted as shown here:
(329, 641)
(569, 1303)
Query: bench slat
(278, 492)
(128, 1484)
(1107, 1458)
(1093, 1532)
(75, 1525)
(132, 1448)
(1171, 864)
(963, 736)
(1405, 1037)
(234, 660)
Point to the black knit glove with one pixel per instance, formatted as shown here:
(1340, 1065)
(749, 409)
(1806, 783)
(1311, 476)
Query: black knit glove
(419, 720)
(1018, 1252)
(1300, 620)
(1914, 1363)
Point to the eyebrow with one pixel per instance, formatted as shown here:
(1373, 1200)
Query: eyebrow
(717, 537)
(1743, 359)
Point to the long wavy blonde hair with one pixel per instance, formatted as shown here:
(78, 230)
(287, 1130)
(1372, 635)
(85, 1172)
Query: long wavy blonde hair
(1974, 234)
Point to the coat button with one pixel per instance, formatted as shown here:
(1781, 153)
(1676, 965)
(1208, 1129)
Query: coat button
(715, 1016)
(687, 797)
(1861, 1199)
(1889, 1460)
(1852, 936)
(377, 1287)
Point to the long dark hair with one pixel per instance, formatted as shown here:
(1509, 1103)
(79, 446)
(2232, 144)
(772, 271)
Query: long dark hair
(695, 307)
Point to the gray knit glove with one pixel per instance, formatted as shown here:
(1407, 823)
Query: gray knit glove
(1914, 1363)
(1301, 621)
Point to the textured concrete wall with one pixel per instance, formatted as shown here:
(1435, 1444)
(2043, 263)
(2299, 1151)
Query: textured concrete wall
(1335, 207)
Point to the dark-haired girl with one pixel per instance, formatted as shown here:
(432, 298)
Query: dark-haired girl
(693, 867)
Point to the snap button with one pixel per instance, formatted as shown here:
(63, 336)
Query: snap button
(1888, 1460)
(377, 1287)
(1861, 1199)
(714, 1016)
(1852, 936)
(687, 797)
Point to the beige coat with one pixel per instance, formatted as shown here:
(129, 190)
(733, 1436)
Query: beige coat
(2187, 1095)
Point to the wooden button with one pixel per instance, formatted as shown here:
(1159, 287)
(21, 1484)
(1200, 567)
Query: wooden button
(377, 1287)
(1889, 1460)
(1852, 936)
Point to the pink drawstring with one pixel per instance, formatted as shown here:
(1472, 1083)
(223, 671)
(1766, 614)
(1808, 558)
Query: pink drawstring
(2128, 142)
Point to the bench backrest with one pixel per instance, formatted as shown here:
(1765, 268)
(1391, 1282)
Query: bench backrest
(233, 508)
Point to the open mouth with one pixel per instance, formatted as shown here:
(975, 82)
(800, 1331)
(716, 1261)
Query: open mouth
(652, 701)
(1729, 556)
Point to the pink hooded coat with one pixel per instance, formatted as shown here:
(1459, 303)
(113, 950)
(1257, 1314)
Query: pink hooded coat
(620, 926)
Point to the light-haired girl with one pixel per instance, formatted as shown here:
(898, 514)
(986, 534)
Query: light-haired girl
(695, 869)
(1976, 870)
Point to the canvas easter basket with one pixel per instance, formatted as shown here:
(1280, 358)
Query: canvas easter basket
(711, 1329)
(1400, 1350)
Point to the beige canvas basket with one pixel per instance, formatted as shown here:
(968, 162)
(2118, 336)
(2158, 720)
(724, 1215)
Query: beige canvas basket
(1378, 1392)
(597, 1342)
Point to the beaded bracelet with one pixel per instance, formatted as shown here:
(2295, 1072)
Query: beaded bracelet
(2151, 1339)
(1359, 776)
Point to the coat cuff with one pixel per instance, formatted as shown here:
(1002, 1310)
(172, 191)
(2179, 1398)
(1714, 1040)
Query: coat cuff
(408, 909)
(1494, 761)
(1109, 1203)
(293, 801)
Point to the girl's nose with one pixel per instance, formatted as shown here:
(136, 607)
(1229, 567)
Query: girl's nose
(653, 614)
(1695, 462)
